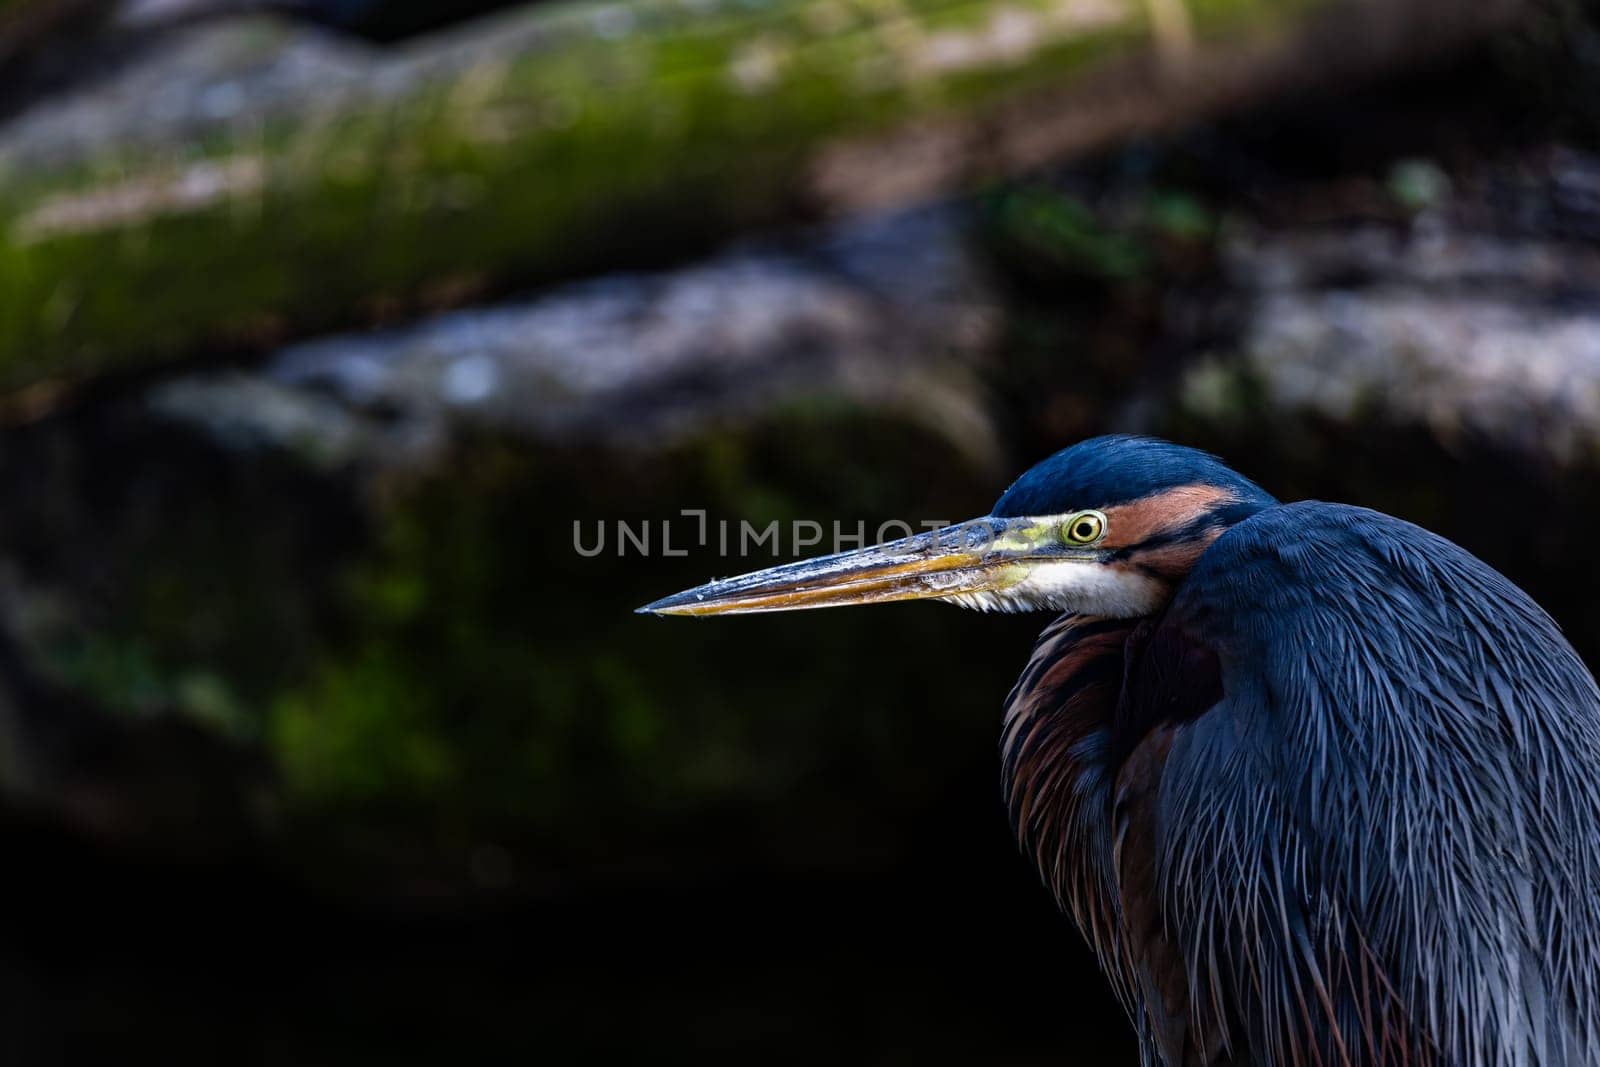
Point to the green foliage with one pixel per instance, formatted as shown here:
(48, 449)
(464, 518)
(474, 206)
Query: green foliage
(124, 675)
(1181, 216)
(1418, 184)
(1063, 235)
(1060, 242)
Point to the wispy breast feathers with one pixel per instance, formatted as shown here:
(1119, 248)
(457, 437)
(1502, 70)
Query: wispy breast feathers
(1056, 733)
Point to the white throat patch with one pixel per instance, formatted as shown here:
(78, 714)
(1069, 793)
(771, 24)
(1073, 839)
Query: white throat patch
(1086, 588)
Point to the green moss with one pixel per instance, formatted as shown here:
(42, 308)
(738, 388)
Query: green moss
(357, 731)
(449, 669)
(491, 677)
(580, 154)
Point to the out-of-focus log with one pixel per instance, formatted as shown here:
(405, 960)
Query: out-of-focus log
(254, 181)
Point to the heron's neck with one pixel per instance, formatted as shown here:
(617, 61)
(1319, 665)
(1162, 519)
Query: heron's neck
(1057, 745)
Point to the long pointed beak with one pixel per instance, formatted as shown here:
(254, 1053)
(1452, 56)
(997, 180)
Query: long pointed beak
(982, 555)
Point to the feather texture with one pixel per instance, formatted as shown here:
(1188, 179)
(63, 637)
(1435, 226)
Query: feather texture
(1338, 806)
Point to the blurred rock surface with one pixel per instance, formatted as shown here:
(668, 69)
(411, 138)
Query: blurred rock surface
(1478, 317)
(643, 360)
(311, 181)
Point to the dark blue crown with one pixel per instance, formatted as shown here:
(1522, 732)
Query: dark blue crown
(1105, 471)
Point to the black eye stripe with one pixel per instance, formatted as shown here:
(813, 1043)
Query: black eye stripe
(1223, 516)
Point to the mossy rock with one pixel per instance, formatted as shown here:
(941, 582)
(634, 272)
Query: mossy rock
(453, 672)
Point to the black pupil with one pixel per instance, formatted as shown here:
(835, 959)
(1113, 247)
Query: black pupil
(1084, 531)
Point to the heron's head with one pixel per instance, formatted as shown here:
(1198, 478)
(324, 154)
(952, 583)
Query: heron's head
(1108, 527)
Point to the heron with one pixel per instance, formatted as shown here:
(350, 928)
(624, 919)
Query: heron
(1317, 786)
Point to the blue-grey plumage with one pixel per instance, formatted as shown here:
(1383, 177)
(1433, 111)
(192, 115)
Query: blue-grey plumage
(1318, 786)
(1410, 751)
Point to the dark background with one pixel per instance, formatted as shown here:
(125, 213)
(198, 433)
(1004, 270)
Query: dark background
(320, 743)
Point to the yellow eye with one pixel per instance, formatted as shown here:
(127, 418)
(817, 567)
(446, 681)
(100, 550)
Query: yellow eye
(1084, 528)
